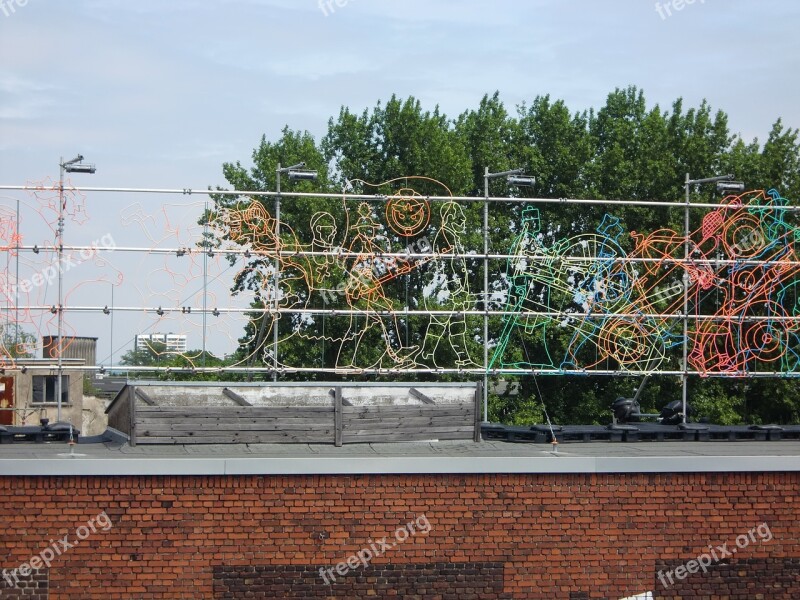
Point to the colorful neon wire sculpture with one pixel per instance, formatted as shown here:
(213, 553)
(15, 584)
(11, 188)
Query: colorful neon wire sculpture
(604, 301)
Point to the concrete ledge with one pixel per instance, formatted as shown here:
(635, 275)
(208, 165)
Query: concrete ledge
(353, 465)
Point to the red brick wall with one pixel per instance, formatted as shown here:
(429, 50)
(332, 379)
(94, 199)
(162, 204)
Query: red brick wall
(491, 536)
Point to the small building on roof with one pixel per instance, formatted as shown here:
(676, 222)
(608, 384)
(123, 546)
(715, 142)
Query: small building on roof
(304, 413)
(29, 392)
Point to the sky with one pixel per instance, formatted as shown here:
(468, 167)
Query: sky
(159, 94)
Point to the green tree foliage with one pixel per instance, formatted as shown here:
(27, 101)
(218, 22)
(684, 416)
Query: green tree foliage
(626, 149)
(397, 140)
(15, 342)
(157, 355)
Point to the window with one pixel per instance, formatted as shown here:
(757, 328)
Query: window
(45, 389)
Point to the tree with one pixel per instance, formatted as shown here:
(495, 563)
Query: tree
(154, 354)
(256, 272)
(15, 342)
(626, 149)
(157, 355)
(397, 140)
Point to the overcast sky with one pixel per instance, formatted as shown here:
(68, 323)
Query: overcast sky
(160, 93)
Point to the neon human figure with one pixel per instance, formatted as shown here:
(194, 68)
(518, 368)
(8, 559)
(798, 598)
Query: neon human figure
(528, 284)
(322, 268)
(599, 286)
(755, 322)
(254, 227)
(365, 293)
(451, 286)
(579, 284)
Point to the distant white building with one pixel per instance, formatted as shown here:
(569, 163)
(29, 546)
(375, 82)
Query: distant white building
(174, 342)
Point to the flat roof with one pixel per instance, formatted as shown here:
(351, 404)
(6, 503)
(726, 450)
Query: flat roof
(457, 457)
(47, 362)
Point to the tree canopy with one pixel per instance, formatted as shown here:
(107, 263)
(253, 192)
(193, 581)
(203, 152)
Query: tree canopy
(626, 149)
(15, 342)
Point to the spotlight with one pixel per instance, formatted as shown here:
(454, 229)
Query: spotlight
(730, 186)
(672, 413)
(626, 410)
(80, 168)
(521, 180)
(303, 175)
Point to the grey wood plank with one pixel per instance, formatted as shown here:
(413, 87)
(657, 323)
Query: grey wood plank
(338, 407)
(145, 398)
(420, 396)
(235, 397)
(191, 427)
(249, 439)
(234, 411)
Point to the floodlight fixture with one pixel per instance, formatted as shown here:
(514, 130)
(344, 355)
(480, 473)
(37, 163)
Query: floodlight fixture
(303, 175)
(730, 186)
(75, 166)
(80, 168)
(521, 180)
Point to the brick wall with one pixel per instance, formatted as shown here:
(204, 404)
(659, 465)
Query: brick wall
(21, 586)
(421, 581)
(489, 536)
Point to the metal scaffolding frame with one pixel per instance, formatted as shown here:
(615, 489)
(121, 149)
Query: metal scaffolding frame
(273, 308)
